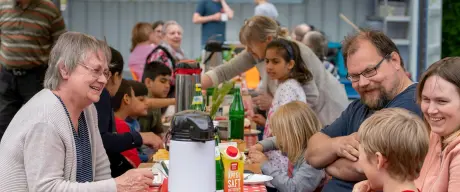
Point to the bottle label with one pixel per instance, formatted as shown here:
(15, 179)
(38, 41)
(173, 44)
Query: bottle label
(233, 177)
(197, 100)
(217, 153)
(209, 101)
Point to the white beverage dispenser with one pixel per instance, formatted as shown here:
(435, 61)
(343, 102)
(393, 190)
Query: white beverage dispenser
(192, 148)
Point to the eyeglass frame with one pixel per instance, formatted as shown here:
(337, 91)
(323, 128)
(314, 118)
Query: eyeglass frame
(372, 71)
(106, 73)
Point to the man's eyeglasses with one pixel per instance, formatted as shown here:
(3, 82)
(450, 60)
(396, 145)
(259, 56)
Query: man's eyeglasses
(96, 73)
(369, 72)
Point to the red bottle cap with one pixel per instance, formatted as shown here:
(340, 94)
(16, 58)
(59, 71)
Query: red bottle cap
(232, 151)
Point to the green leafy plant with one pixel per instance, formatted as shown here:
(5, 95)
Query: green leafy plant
(450, 28)
(218, 97)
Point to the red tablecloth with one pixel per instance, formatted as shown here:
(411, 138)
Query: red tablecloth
(247, 188)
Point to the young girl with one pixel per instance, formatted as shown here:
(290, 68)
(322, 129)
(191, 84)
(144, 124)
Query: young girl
(292, 126)
(283, 64)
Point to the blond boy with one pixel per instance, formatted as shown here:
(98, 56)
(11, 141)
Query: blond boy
(393, 145)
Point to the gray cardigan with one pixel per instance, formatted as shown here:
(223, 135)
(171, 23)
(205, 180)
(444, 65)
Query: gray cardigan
(325, 94)
(305, 177)
(38, 150)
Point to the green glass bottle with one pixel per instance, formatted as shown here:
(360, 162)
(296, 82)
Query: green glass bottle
(236, 115)
(219, 167)
(197, 102)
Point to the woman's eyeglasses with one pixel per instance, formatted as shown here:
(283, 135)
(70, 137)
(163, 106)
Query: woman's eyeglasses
(96, 73)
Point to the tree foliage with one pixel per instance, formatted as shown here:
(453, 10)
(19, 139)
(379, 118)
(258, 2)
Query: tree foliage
(450, 28)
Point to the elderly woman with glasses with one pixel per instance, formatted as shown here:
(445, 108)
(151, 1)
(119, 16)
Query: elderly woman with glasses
(53, 142)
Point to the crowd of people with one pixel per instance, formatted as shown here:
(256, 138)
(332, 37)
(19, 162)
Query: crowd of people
(69, 120)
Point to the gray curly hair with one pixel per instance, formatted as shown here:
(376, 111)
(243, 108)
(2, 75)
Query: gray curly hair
(71, 49)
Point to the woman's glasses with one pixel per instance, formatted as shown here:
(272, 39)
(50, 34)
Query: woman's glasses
(96, 73)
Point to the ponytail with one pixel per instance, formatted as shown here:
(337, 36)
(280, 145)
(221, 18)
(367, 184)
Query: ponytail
(259, 28)
(282, 32)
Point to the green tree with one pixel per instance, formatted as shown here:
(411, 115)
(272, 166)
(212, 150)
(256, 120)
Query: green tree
(450, 28)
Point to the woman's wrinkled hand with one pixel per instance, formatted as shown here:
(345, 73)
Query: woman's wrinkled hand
(135, 180)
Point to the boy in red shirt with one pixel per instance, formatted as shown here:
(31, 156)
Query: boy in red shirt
(393, 146)
(126, 104)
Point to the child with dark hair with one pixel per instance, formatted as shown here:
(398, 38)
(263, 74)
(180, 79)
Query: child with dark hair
(141, 92)
(284, 64)
(157, 78)
(126, 104)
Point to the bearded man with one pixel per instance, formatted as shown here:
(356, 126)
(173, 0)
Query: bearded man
(377, 73)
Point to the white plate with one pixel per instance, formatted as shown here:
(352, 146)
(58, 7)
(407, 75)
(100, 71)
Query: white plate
(156, 170)
(256, 179)
(251, 132)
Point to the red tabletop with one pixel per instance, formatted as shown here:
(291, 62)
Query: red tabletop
(247, 188)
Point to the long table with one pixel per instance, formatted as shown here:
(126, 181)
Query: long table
(247, 188)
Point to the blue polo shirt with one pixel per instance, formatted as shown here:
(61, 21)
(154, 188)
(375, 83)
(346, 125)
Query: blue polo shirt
(209, 29)
(350, 120)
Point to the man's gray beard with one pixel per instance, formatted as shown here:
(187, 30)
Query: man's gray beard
(382, 101)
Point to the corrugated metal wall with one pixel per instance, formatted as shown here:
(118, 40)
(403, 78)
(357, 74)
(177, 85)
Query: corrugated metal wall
(114, 19)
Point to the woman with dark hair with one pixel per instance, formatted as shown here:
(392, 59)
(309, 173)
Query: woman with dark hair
(157, 27)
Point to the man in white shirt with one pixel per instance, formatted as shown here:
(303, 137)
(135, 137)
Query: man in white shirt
(266, 9)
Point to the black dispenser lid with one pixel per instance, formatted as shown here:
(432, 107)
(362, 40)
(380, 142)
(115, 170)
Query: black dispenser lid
(216, 46)
(190, 125)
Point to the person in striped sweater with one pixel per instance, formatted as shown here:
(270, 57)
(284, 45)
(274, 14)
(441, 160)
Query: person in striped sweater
(28, 30)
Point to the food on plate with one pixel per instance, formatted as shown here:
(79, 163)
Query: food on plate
(161, 154)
